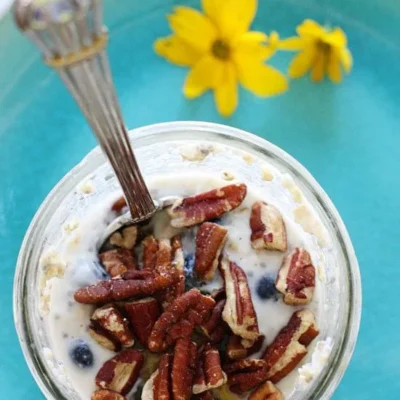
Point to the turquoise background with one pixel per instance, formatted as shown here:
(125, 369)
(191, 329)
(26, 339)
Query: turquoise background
(348, 136)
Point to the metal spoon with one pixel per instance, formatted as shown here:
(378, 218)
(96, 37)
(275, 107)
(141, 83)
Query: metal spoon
(73, 40)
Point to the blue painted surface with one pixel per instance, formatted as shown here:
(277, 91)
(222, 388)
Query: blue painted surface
(348, 136)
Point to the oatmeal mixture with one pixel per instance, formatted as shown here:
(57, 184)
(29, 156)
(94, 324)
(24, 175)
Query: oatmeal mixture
(217, 297)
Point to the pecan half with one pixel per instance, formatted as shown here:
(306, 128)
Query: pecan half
(206, 206)
(266, 391)
(150, 249)
(296, 278)
(173, 378)
(289, 346)
(183, 369)
(140, 275)
(161, 255)
(239, 311)
(236, 351)
(118, 261)
(210, 240)
(178, 261)
(191, 308)
(108, 322)
(142, 315)
(245, 375)
(209, 372)
(121, 372)
(107, 395)
(268, 230)
(158, 387)
(215, 327)
(121, 289)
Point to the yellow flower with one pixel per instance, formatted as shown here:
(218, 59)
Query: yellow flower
(321, 51)
(221, 52)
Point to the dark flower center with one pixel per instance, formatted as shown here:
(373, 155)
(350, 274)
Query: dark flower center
(323, 47)
(220, 49)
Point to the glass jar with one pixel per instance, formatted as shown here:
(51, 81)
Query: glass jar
(157, 150)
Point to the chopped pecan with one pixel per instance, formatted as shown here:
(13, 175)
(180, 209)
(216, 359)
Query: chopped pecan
(103, 338)
(289, 346)
(236, 351)
(108, 322)
(119, 205)
(183, 369)
(142, 315)
(215, 328)
(191, 306)
(126, 238)
(121, 289)
(107, 395)
(296, 278)
(118, 261)
(210, 240)
(206, 206)
(266, 391)
(268, 230)
(245, 375)
(121, 372)
(209, 373)
(239, 311)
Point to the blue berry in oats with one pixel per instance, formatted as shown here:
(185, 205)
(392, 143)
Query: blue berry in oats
(189, 264)
(191, 280)
(81, 354)
(266, 288)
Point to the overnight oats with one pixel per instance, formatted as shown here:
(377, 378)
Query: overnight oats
(227, 294)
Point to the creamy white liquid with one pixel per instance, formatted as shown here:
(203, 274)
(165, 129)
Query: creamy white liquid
(68, 320)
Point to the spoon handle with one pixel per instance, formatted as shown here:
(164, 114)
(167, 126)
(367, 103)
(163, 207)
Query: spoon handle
(73, 40)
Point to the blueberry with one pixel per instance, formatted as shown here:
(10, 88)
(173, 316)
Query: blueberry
(217, 221)
(191, 280)
(266, 288)
(81, 354)
(189, 263)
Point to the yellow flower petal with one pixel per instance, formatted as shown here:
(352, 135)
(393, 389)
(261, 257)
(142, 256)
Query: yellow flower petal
(293, 43)
(193, 28)
(346, 59)
(176, 51)
(310, 28)
(203, 76)
(253, 44)
(232, 17)
(333, 69)
(302, 62)
(226, 92)
(261, 79)
(318, 69)
(336, 38)
(212, 8)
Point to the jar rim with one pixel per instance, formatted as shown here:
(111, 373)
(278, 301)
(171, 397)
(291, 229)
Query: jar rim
(330, 379)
